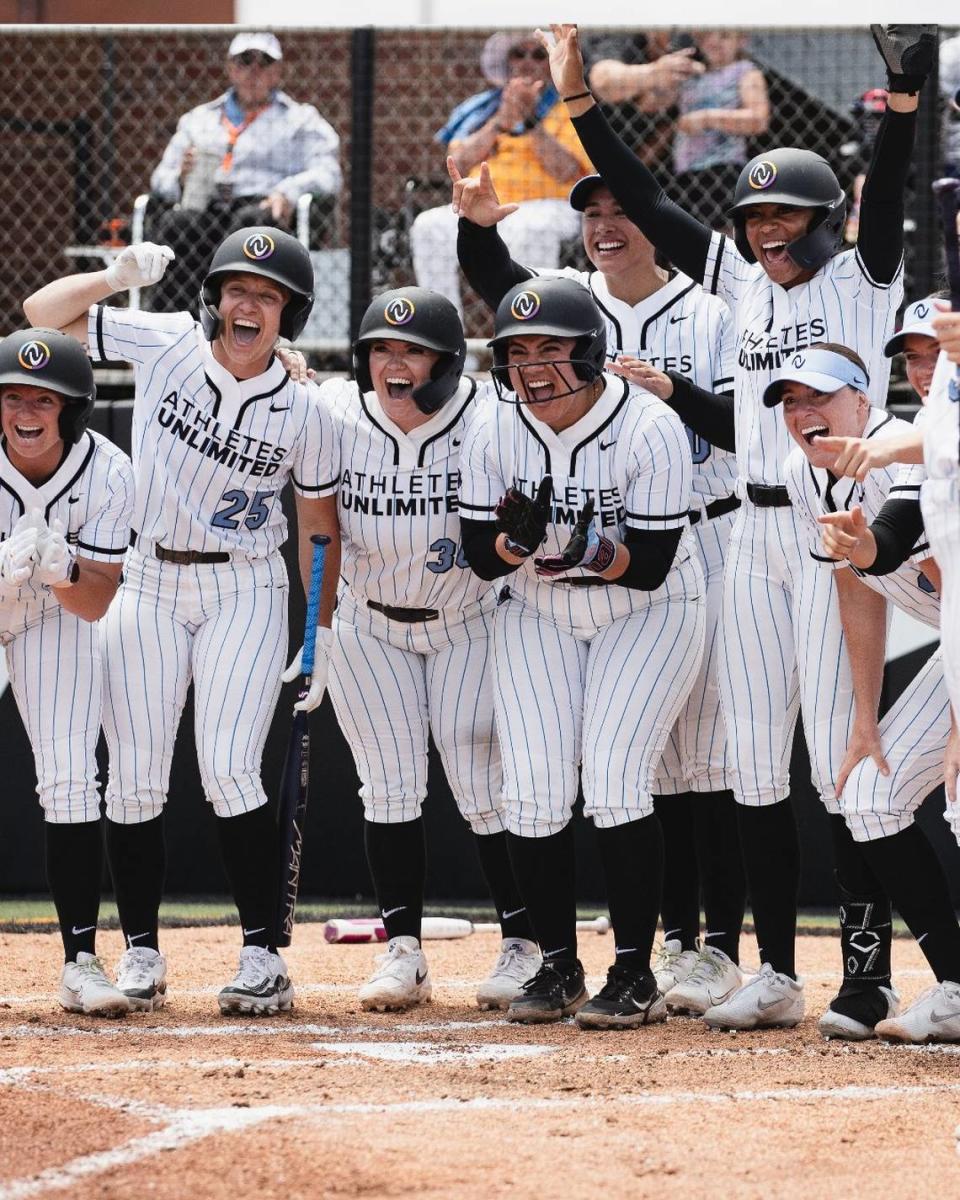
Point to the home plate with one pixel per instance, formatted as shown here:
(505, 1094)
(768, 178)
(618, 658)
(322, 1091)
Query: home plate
(432, 1052)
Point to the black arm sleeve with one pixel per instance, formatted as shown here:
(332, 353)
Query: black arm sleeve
(486, 262)
(897, 527)
(682, 238)
(880, 240)
(480, 550)
(707, 413)
(651, 556)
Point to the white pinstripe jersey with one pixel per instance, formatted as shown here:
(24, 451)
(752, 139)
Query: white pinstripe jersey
(841, 303)
(398, 501)
(211, 453)
(91, 493)
(941, 410)
(629, 453)
(677, 328)
(814, 491)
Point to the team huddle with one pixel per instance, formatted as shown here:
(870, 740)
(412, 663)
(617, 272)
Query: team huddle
(672, 522)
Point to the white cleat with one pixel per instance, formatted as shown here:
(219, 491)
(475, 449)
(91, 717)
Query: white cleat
(714, 979)
(401, 978)
(142, 977)
(769, 1000)
(933, 1017)
(519, 961)
(85, 988)
(261, 987)
(673, 964)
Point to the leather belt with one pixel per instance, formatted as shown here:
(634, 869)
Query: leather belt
(598, 582)
(410, 615)
(716, 509)
(182, 558)
(766, 496)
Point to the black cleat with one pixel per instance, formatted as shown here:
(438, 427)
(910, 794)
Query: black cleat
(854, 1015)
(627, 1000)
(557, 990)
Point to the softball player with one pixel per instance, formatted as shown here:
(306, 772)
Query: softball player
(218, 430)
(786, 286)
(674, 325)
(410, 653)
(893, 765)
(66, 497)
(578, 489)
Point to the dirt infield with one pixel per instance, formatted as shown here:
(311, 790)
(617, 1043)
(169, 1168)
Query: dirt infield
(446, 1101)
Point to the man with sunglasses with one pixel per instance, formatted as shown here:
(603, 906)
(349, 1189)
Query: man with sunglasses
(523, 135)
(242, 159)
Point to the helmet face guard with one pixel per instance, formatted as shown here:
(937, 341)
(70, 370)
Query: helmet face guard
(49, 359)
(422, 318)
(584, 370)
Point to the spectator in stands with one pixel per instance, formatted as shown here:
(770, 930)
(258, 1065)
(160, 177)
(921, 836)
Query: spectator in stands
(949, 87)
(245, 158)
(521, 130)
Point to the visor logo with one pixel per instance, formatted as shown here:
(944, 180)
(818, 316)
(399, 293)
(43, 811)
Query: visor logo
(921, 311)
(33, 356)
(259, 246)
(762, 175)
(798, 361)
(525, 306)
(399, 311)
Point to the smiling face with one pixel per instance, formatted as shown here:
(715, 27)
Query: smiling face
(920, 353)
(250, 309)
(810, 414)
(613, 243)
(542, 376)
(30, 418)
(769, 229)
(396, 368)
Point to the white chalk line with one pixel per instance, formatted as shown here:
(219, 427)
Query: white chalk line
(192, 1125)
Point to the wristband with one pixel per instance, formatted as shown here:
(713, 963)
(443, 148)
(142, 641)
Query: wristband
(515, 548)
(578, 96)
(905, 85)
(603, 559)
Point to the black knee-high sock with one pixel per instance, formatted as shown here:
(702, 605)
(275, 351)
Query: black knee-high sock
(397, 858)
(138, 864)
(913, 878)
(721, 870)
(866, 930)
(74, 856)
(632, 857)
(771, 857)
(680, 901)
(249, 848)
(495, 863)
(545, 871)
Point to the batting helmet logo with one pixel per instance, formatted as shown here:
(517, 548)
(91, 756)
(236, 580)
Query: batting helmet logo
(259, 246)
(34, 355)
(399, 311)
(525, 306)
(762, 175)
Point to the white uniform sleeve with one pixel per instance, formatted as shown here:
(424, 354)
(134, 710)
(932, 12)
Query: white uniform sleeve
(316, 466)
(105, 536)
(724, 353)
(726, 271)
(481, 481)
(660, 474)
(128, 335)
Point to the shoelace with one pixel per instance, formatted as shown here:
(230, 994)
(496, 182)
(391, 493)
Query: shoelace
(619, 985)
(707, 969)
(547, 979)
(138, 966)
(393, 958)
(93, 969)
(253, 964)
(509, 961)
(666, 959)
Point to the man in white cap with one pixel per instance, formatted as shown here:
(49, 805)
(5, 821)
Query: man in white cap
(242, 159)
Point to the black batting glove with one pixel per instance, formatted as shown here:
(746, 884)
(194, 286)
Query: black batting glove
(524, 521)
(908, 51)
(586, 548)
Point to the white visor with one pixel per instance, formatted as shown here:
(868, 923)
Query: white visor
(823, 370)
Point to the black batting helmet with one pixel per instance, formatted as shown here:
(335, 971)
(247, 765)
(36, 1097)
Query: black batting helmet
(425, 318)
(800, 178)
(47, 358)
(260, 250)
(553, 307)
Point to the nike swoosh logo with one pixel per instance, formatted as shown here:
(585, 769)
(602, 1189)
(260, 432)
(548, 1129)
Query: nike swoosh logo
(135, 937)
(554, 953)
(390, 911)
(944, 1016)
(85, 929)
(251, 932)
(420, 977)
(73, 499)
(516, 913)
(677, 320)
(625, 949)
(607, 445)
(763, 1005)
(283, 408)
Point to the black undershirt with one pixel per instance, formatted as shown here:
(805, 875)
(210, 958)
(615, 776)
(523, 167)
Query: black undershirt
(896, 530)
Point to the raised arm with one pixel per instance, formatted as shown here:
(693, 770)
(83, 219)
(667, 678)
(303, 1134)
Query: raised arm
(483, 254)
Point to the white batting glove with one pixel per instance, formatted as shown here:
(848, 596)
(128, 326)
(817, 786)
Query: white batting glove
(55, 556)
(318, 680)
(19, 553)
(139, 266)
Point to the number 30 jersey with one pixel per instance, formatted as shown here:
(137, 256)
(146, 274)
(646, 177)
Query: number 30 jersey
(212, 453)
(399, 512)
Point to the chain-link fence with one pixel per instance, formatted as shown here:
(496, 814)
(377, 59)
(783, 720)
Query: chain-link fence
(87, 127)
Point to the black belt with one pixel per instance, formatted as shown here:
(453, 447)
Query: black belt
(766, 496)
(716, 509)
(578, 582)
(182, 558)
(410, 615)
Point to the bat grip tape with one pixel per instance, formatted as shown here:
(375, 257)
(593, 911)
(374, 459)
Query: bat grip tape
(320, 542)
